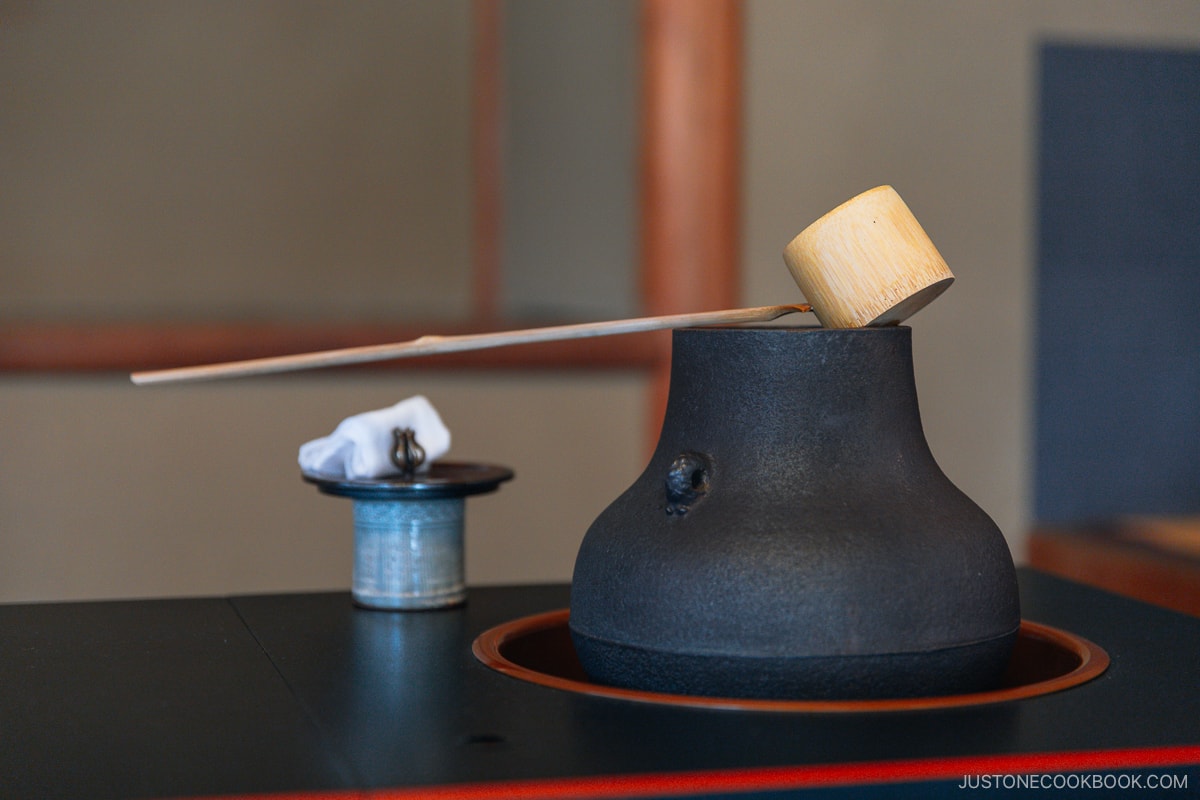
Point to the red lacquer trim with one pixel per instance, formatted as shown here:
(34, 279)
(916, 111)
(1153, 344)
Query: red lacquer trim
(778, 778)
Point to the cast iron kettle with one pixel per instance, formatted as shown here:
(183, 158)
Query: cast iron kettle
(792, 535)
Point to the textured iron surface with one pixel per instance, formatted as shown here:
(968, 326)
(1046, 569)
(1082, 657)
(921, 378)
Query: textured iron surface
(827, 555)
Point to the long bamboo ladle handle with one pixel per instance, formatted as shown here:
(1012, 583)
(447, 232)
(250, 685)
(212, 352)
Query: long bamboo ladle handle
(867, 262)
(432, 345)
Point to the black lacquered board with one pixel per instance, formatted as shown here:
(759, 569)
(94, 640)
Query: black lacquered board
(306, 693)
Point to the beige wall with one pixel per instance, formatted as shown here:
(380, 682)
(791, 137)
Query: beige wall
(111, 490)
(107, 490)
(180, 159)
(937, 98)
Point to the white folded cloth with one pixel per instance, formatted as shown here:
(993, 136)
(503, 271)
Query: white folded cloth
(361, 446)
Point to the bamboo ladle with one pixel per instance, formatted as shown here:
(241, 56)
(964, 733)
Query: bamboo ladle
(867, 262)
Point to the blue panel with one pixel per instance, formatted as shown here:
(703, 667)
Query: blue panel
(1118, 283)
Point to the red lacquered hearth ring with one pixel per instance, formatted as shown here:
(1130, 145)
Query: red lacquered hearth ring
(538, 649)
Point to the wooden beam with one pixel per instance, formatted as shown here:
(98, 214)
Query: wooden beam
(126, 347)
(487, 157)
(690, 152)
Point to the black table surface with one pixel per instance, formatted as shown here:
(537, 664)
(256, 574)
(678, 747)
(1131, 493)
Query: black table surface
(306, 693)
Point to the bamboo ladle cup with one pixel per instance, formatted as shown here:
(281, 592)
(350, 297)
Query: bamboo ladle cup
(867, 262)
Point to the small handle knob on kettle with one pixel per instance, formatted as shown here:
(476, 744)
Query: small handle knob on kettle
(687, 481)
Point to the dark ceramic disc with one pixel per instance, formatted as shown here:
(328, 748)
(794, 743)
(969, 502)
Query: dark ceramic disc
(443, 479)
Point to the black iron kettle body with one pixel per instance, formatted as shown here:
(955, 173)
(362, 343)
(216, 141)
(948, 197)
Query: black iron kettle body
(792, 536)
